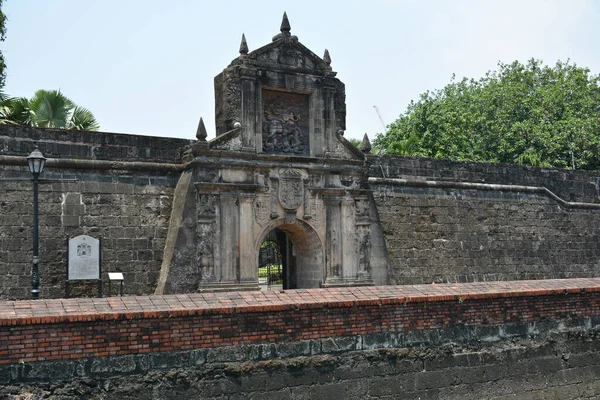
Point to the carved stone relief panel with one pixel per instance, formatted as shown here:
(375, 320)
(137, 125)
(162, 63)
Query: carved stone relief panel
(288, 55)
(362, 209)
(307, 200)
(273, 198)
(206, 237)
(291, 189)
(363, 231)
(262, 210)
(285, 123)
(206, 206)
(318, 212)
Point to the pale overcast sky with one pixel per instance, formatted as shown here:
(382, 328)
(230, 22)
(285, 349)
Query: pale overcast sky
(147, 66)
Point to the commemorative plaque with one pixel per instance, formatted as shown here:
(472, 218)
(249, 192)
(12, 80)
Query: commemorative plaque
(84, 261)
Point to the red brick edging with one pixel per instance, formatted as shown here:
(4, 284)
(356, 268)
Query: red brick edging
(56, 329)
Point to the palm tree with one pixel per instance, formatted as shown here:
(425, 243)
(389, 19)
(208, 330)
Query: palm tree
(46, 109)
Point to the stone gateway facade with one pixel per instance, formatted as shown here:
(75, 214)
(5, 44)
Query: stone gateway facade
(279, 162)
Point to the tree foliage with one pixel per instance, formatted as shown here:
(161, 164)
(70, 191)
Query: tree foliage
(529, 114)
(47, 109)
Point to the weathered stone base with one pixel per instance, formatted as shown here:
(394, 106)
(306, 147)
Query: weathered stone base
(551, 361)
(337, 282)
(228, 287)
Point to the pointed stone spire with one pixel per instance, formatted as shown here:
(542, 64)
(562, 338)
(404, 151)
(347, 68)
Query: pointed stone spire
(201, 132)
(365, 145)
(285, 29)
(285, 25)
(327, 58)
(243, 46)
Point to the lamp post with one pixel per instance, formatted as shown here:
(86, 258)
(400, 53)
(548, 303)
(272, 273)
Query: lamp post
(36, 162)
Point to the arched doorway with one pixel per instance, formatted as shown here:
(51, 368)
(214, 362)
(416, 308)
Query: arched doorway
(290, 256)
(276, 261)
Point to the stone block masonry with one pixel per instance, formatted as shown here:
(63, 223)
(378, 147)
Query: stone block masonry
(447, 221)
(474, 340)
(431, 220)
(122, 194)
(577, 186)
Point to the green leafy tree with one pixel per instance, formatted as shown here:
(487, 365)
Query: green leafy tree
(529, 113)
(47, 109)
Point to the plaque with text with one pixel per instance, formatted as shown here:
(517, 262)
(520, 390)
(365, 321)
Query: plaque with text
(84, 258)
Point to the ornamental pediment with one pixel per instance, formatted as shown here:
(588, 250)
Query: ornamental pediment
(288, 53)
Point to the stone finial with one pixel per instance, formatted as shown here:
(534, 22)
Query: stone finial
(201, 132)
(285, 25)
(365, 145)
(285, 30)
(243, 46)
(327, 58)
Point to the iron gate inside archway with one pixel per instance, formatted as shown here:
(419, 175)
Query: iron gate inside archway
(274, 260)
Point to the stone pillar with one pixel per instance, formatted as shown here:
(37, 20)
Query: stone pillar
(348, 235)
(329, 118)
(318, 141)
(206, 205)
(249, 109)
(274, 200)
(248, 256)
(333, 241)
(258, 132)
(307, 213)
(363, 229)
(229, 239)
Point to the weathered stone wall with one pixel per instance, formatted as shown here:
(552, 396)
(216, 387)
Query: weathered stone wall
(122, 193)
(580, 186)
(19, 141)
(458, 222)
(441, 220)
(559, 366)
(461, 341)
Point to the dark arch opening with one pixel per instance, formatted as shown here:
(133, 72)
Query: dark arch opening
(277, 262)
(301, 252)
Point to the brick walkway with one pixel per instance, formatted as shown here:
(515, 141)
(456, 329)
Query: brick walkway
(27, 312)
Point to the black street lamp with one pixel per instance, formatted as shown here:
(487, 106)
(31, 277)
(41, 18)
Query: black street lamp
(36, 161)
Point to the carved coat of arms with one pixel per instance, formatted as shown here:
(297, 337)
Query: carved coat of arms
(291, 189)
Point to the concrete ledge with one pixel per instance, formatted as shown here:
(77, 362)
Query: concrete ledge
(32, 312)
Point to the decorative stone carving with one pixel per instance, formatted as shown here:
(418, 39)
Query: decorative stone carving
(206, 206)
(261, 210)
(285, 122)
(288, 55)
(362, 210)
(318, 213)
(228, 91)
(291, 189)
(307, 201)
(205, 239)
(274, 201)
(340, 104)
(290, 217)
